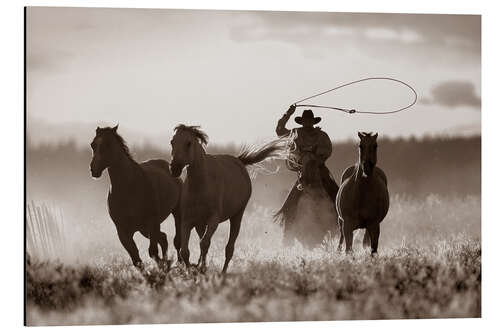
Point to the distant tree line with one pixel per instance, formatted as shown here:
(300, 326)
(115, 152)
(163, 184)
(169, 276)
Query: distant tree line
(415, 167)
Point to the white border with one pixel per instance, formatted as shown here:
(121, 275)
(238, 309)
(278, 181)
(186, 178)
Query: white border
(12, 157)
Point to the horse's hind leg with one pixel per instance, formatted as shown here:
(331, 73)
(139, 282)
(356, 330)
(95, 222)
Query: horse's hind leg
(374, 230)
(164, 247)
(234, 230)
(154, 239)
(127, 240)
(348, 229)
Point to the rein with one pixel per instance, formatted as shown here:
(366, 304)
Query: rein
(351, 111)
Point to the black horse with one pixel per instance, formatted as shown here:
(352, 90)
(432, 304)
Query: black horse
(141, 195)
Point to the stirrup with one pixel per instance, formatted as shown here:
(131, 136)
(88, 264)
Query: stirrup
(300, 187)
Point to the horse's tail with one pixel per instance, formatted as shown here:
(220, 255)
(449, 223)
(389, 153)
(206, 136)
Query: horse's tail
(273, 149)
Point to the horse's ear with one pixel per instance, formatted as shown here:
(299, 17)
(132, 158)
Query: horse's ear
(360, 135)
(97, 130)
(375, 136)
(115, 128)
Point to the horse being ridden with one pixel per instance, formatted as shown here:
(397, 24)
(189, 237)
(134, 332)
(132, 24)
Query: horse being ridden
(314, 214)
(363, 198)
(140, 197)
(311, 144)
(217, 188)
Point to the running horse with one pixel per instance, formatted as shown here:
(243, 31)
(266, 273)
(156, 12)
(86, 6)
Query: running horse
(363, 199)
(216, 188)
(308, 214)
(141, 195)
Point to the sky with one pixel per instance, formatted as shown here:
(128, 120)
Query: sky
(236, 72)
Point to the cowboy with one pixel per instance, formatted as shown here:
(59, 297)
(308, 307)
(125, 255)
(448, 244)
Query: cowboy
(311, 139)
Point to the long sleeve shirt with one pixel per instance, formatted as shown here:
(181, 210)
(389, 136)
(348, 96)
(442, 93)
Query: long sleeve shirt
(281, 129)
(307, 140)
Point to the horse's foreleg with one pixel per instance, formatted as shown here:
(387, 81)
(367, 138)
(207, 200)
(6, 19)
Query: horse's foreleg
(127, 240)
(234, 230)
(348, 229)
(366, 238)
(205, 241)
(374, 230)
(185, 234)
(200, 230)
(341, 231)
(177, 237)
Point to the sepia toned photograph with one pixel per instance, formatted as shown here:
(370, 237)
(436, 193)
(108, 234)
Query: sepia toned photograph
(213, 166)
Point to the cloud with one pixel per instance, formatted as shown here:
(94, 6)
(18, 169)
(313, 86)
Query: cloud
(453, 94)
(405, 35)
(458, 32)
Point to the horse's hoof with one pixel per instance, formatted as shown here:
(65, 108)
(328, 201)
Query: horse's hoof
(141, 268)
(190, 267)
(202, 268)
(178, 264)
(165, 264)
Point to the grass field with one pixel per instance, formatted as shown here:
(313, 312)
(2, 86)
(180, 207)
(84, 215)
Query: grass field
(429, 266)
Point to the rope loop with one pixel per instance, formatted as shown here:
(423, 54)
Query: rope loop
(352, 111)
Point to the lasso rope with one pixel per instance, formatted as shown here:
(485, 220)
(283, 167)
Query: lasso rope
(291, 161)
(350, 111)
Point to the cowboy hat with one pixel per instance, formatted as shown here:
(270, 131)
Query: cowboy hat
(307, 114)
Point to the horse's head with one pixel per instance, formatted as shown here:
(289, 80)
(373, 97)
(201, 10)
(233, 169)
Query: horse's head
(105, 147)
(310, 173)
(367, 152)
(186, 147)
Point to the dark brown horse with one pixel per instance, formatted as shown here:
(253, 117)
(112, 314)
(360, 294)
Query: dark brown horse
(363, 198)
(309, 214)
(141, 195)
(217, 188)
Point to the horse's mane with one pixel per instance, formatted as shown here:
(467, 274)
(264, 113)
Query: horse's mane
(195, 130)
(121, 141)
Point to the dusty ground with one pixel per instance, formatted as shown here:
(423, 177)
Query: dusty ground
(425, 269)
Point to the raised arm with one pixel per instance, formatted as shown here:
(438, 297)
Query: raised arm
(281, 130)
